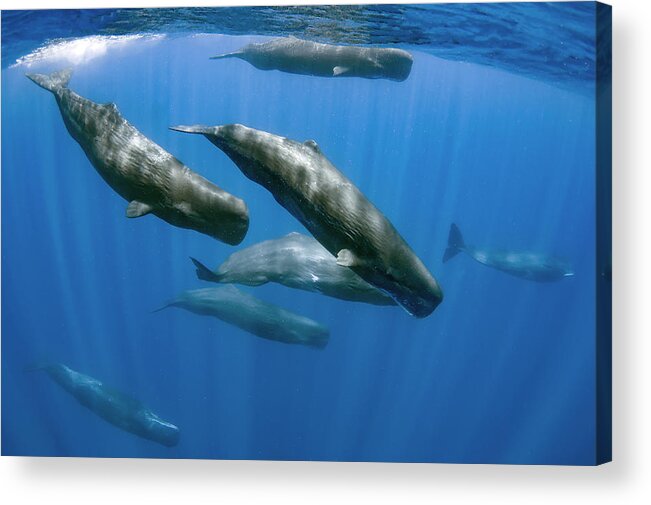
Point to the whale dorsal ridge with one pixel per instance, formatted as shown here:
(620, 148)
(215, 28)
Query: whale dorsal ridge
(312, 145)
(111, 108)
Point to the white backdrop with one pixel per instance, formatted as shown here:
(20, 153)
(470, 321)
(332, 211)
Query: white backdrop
(626, 480)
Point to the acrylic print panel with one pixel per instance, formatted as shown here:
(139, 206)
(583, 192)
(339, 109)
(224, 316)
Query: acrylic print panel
(347, 233)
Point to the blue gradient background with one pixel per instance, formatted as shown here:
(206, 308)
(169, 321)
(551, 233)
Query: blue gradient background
(502, 372)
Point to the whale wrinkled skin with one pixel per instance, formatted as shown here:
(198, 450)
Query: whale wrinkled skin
(332, 208)
(296, 261)
(113, 406)
(297, 56)
(253, 315)
(142, 172)
(526, 265)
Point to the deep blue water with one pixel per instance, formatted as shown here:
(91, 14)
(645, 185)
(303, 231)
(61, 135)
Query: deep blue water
(503, 371)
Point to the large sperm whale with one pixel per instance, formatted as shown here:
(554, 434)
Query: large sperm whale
(527, 265)
(253, 315)
(296, 261)
(113, 406)
(296, 56)
(148, 177)
(332, 208)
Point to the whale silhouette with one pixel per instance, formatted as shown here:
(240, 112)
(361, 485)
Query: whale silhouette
(332, 208)
(115, 407)
(297, 56)
(526, 265)
(143, 173)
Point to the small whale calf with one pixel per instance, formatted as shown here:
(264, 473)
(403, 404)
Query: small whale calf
(332, 208)
(296, 261)
(117, 408)
(531, 266)
(296, 56)
(148, 177)
(255, 316)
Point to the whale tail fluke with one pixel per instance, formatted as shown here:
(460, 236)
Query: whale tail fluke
(53, 81)
(167, 305)
(199, 129)
(224, 56)
(455, 243)
(204, 273)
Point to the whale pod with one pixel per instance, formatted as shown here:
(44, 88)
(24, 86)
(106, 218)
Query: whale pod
(297, 56)
(296, 261)
(526, 265)
(253, 315)
(113, 406)
(332, 208)
(148, 177)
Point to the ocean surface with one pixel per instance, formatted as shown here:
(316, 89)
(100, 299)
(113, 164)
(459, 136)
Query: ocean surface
(481, 134)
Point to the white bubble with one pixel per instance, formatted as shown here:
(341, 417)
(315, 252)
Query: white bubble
(82, 50)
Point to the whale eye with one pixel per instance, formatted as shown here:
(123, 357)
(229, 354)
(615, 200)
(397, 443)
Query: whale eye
(312, 145)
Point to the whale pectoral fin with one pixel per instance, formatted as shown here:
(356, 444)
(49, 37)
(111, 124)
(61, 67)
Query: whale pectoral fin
(346, 258)
(137, 209)
(339, 71)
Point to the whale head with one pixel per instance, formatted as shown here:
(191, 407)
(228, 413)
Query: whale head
(212, 212)
(401, 275)
(395, 64)
(156, 429)
(415, 290)
(558, 268)
(547, 268)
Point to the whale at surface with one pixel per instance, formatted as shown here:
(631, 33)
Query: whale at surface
(148, 177)
(296, 261)
(297, 56)
(527, 265)
(113, 406)
(253, 315)
(332, 208)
